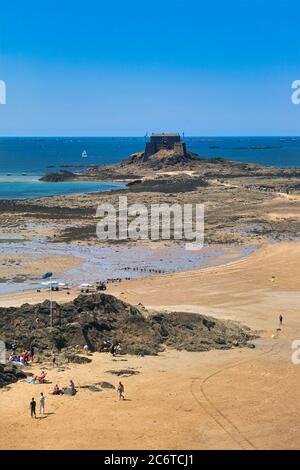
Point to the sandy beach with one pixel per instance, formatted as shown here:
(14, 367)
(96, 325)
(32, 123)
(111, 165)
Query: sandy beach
(235, 399)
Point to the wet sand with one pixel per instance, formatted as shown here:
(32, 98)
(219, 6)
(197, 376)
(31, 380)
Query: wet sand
(236, 399)
(25, 266)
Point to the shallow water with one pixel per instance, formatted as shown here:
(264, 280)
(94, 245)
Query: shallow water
(28, 187)
(118, 261)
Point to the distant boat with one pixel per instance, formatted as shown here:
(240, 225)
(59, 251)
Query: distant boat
(84, 154)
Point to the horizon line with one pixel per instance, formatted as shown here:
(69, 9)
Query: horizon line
(144, 137)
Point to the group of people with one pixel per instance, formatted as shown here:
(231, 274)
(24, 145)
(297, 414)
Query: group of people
(42, 399)
(24, 358)
(113, 347)
(58, 391)
(42, 403)
(27, 355)
(39, 378)
(142, 270)
(114, 279)
(62, 391)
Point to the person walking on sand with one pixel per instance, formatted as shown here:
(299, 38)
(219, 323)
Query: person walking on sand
(42, 404)
(53, 360)
(280, 319)
(121, 391)
(32, 408)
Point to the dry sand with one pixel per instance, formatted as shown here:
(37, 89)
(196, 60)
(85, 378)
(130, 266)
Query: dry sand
(236, 399)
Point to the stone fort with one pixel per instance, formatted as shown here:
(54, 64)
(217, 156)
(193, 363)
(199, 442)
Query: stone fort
(165, 142)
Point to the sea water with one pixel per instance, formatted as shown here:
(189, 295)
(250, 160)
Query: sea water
(24, 160)
(29, 187)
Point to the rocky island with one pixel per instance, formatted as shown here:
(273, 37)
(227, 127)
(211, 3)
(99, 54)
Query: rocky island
(246, 196)
(58, 176)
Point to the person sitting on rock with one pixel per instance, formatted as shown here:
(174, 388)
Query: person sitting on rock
(57, 391)
(42, 377)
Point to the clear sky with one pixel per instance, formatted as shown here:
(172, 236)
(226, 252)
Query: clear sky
(122, 67)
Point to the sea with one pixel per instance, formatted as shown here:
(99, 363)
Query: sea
(23, 160)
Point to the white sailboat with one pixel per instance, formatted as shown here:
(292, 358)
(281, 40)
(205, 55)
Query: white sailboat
(84, 154)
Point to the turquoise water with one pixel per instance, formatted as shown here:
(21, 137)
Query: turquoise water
(36, 156)
(26, 187)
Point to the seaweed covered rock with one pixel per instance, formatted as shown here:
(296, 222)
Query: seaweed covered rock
(95, 319)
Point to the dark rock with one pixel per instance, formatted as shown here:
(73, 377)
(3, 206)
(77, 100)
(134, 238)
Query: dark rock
(105, 385)
(162, 159)
(96, 318)
(75, 359)
(126, 372)
(91, 388)
(58, 176)
(176, 184)
(10, 373)
(69, 392)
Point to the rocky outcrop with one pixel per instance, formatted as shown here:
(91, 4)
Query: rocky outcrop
(162, 159)
(58, 176)
(10, 374)
(177, 184)
(92, 319)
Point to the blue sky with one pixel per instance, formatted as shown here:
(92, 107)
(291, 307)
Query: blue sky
(127, 67)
